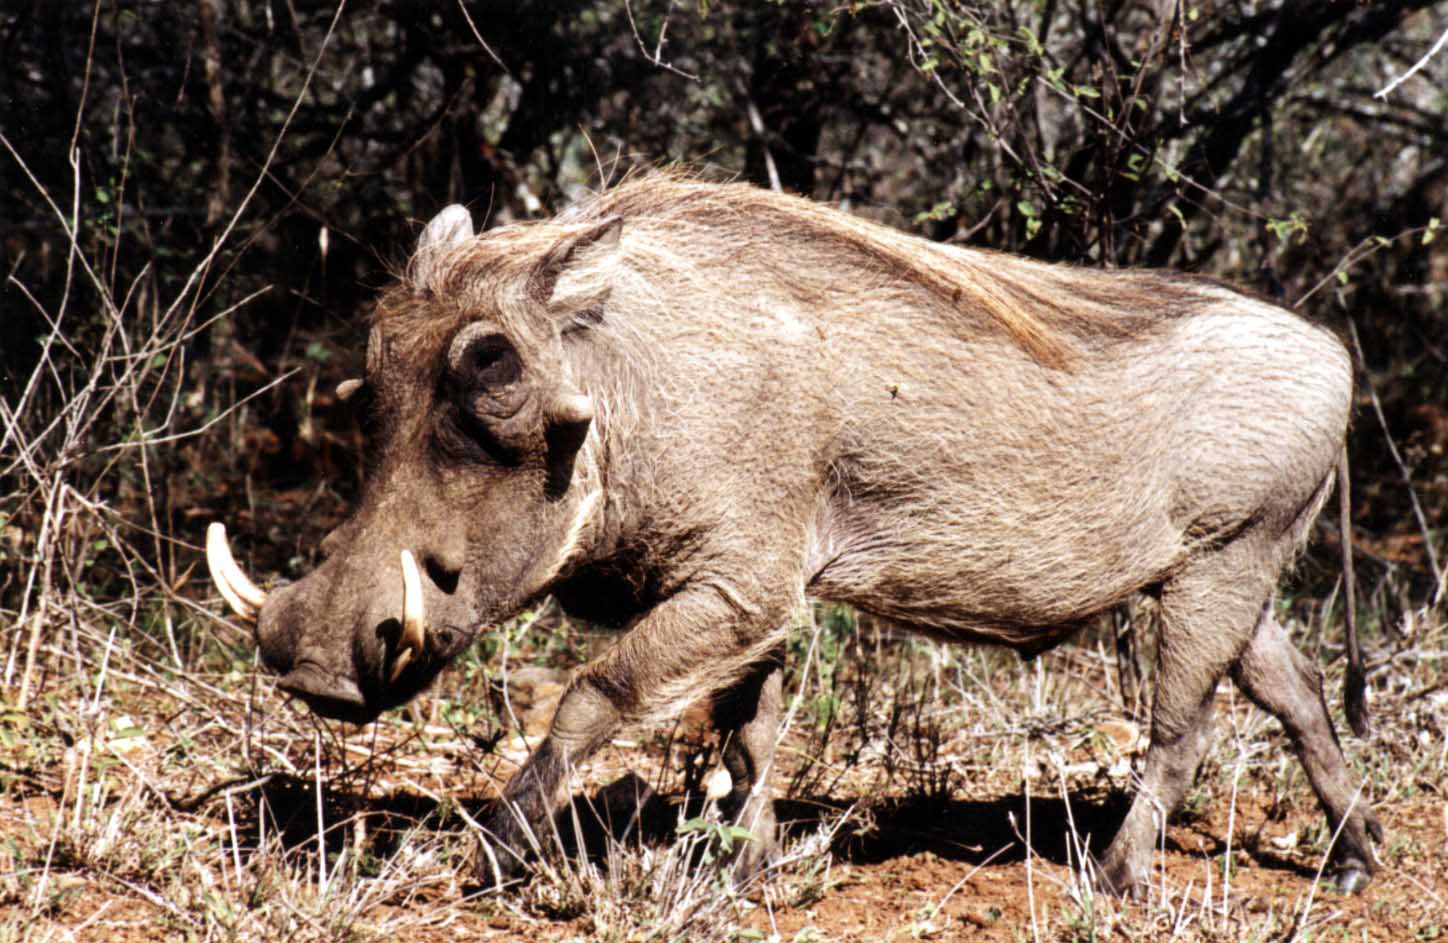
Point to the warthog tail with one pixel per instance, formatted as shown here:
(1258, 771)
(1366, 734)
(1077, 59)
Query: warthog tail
(1354, 695)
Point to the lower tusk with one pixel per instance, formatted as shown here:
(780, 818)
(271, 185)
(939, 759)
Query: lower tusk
(414, 617)
(240, 593)
(403, 659)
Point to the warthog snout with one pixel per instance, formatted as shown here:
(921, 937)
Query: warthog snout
(351, 681)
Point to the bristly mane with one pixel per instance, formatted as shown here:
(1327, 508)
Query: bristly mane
(960, 281)
(1042, 307)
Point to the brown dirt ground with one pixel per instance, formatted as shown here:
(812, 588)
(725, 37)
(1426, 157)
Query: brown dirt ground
(900, 895)
(955, 869)
(904, 867)
(948, 890)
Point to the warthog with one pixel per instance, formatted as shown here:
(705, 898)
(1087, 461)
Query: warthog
(681, 408)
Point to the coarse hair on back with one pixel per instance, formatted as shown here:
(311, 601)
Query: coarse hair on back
(1042, 307)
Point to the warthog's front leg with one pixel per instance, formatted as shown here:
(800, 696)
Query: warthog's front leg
(702, 639)
(747, 718)
(520, 826)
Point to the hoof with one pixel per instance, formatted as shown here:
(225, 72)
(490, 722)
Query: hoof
(1352, 878)
(753, 857)
(752, 863)
(1120, 881)
(504, 850)
(499, 866)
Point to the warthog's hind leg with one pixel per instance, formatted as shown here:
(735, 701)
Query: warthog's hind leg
(747, 718)
(1209, 612)
(1281, 681)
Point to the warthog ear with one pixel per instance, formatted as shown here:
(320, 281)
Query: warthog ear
(589, 246)
(568, 417)
(453, 224)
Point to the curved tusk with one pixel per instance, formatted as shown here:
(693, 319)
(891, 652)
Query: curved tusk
(403, 659)
(244, 597)
(414, 618)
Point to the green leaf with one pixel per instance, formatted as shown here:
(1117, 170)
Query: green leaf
(1033, 42)
(942, 210)
(1285, 229)
(696, 824)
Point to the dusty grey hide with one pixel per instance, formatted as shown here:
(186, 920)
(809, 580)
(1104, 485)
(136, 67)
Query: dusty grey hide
(684, 408)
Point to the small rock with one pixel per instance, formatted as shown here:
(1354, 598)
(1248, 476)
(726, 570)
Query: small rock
(1284, 842)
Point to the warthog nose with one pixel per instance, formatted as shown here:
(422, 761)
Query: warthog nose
(326, 693)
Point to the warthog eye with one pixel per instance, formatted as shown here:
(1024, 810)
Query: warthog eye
(489, 362)
(483, 384)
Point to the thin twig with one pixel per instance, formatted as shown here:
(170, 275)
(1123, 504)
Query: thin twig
(190, 433)
(481, 41)
(656, 57)
(1383, 92)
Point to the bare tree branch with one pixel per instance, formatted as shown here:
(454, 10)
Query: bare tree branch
(1417, 66)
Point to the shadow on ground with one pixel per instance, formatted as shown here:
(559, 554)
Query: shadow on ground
(629, 812)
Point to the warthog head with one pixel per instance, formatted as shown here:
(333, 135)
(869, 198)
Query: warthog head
(470, 508)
